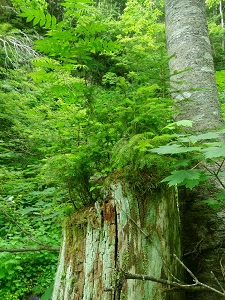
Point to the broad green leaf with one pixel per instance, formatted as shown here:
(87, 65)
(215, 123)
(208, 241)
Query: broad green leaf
(216, 202)
(215, 144)
(96, 187)
(42, 19)
(214, 152)
(2, 273)
(189, 178)
(42, 22)
(178, 177)
(85, 1)
(190, 183)
(184, 123)
(174, 149)
(182, 163)
(220, 196)
(200, 137)
(51, 216)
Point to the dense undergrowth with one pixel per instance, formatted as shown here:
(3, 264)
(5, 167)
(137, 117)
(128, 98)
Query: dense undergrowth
(90, 97)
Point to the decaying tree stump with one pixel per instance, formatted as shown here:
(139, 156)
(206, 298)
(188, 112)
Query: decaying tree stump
(124, 232)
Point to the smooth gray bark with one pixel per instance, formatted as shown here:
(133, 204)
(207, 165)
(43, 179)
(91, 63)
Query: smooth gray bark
(188, 43)
(195, 93)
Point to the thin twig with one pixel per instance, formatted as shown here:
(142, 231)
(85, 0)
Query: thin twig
(197, 165)
(198, 283)
(186, 268)
(217, 281)
(214, 174)
(220, 166)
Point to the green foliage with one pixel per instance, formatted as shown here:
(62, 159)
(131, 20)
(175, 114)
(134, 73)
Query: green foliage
(144, 46)
(216, 31)
(133, 154)
(211, 3)
(38, 17)
(29, 210)
(73, 126)
(38, 5)
(94, 101)
(47, 295)
(21, 270)
(188, 178)
(29, 272)
(199, 158)
(91, 120)
(220, 201)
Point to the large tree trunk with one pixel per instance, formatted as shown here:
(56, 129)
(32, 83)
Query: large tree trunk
(193, 90)
(195, 93)
(126, 231)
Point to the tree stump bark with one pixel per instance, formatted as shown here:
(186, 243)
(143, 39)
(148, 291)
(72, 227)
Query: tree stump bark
(124, 232)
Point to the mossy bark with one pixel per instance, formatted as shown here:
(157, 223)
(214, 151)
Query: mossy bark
(125, 231)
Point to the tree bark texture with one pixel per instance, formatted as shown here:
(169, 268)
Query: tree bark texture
(203, 242)
(195, 93)
(125, 231)
(194, 90)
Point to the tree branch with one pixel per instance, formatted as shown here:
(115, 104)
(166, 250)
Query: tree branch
(197, 286)
(159, 280)
(30, 249)
(197, 282)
